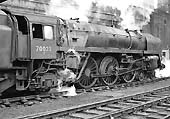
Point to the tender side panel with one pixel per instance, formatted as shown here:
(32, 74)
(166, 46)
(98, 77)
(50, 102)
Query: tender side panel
(5, 46)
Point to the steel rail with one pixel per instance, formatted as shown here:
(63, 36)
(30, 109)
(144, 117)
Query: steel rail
(132, 109)
(67, 111)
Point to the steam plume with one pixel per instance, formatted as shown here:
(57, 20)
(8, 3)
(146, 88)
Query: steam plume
(165, 72)
(135, 13)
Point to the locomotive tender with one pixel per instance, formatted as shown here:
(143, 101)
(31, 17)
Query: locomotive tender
(34, 48)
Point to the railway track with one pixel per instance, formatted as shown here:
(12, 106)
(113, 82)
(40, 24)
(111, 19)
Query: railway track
(154, 104)
(123, 85)
(145, 104)
(30, 99)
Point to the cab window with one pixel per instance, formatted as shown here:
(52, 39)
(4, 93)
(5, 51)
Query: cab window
(48, 32)
(44, 32)
(37, 31)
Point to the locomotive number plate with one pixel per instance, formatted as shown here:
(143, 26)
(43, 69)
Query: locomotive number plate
(43, 49)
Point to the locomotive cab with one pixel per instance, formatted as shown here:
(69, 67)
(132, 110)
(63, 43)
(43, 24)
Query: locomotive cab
(36, 46)
(33, 37)
(26, 42)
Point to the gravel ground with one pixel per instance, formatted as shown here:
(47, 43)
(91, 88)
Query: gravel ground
(60, 103)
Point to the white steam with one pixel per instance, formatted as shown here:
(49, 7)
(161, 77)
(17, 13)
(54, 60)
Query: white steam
(135, 13)
(165, 72)
(67, 9)
(69, 91)
(136, 17)
(66, 75)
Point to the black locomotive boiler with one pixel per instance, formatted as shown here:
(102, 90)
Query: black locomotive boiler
(34, 48)
(109, 54)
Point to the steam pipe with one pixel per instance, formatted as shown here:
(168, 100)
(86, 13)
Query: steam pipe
(84, 65)
(128, 31)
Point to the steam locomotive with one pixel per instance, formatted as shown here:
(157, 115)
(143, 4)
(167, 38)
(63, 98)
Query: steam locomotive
(34, 48)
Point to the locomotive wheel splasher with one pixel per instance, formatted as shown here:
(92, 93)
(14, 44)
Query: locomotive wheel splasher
(108, 66)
